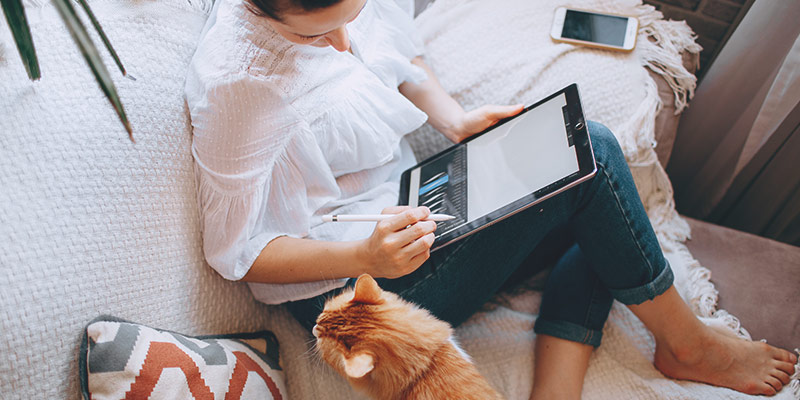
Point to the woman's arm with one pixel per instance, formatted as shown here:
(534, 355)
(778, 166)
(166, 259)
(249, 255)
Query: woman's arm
(444, 112)
(291, 260)
(397, 247)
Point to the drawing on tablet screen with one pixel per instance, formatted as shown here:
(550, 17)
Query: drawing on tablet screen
(442, 188)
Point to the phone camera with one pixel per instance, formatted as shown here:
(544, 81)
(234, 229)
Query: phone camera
(579, 125)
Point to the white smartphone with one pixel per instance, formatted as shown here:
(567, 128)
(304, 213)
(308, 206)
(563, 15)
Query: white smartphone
(588, 28)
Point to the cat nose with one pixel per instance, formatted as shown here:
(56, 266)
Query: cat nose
(315, 331)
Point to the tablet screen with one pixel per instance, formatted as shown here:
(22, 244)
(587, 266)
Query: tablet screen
(519, 158)
(513, 165)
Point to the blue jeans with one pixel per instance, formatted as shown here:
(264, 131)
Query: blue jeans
(616, 256)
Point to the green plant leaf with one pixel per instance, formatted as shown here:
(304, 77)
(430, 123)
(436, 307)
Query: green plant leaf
(102, 34)
(92, 56)
(15, 15)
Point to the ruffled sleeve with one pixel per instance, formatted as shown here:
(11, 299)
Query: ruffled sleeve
(256, 163)
(387, 40)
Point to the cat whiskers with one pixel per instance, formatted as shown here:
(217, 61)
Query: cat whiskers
(312, 353)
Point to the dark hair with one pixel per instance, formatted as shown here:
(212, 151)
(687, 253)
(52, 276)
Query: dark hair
(274, 8)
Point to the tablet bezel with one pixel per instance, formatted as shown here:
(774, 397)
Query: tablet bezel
(584, 153)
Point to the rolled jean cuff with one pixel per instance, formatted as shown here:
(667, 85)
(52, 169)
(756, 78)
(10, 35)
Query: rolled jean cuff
(568, 331)
(648, 291)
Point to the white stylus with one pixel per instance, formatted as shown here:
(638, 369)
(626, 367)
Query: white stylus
(378, 217)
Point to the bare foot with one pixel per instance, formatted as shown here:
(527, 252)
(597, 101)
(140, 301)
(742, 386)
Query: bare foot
(754, 368)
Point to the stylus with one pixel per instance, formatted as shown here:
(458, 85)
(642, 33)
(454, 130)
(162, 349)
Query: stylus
(378, 217)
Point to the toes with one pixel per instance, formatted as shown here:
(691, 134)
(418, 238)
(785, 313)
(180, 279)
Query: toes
(774, 384)
(757, 388)
(783, 377)
(785, 367)
(783, 355)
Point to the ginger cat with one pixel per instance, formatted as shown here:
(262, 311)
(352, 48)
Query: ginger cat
(392, 349)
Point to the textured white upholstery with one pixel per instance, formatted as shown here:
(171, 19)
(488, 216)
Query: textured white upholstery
(91, 223)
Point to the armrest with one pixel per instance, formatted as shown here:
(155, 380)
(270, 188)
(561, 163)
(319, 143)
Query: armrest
(757, 279)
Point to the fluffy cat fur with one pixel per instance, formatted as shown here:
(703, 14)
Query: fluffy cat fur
(392, 349)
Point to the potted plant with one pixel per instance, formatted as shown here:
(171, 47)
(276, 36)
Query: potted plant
(15, 15)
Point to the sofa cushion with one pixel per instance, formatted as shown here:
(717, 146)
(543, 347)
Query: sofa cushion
(120, 359)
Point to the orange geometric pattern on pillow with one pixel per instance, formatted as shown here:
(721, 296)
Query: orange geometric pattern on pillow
(245, 364)
(167, 355)
(123, 360)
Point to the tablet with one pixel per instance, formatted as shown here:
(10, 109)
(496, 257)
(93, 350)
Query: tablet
(518, 162)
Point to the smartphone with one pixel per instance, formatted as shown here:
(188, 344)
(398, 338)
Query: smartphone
(588, 28)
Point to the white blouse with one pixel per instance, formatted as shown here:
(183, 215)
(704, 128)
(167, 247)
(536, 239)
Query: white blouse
(285, 133)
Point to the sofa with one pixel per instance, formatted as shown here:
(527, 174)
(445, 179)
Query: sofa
(92, 223)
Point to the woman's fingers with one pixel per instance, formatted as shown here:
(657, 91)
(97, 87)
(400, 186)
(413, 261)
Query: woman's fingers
(481, 118)
(395, 209)
(404, 219)
(420, 247)
(398, 240)
(419, 259)
(416, 231)
(496, 113)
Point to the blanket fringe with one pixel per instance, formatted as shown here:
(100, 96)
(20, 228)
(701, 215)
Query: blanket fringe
(670, 39)
(661, 48)
(639, 148)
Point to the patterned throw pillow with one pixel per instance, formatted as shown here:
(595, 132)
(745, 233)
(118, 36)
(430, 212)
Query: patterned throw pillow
(124, 360)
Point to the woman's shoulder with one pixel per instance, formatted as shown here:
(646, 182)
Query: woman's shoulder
(238, 42)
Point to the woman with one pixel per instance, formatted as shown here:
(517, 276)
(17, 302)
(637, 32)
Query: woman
(299, 109)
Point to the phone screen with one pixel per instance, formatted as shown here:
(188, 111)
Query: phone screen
(598, 28)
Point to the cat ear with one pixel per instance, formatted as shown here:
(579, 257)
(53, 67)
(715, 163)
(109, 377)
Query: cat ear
(358, 365)
(367, 291)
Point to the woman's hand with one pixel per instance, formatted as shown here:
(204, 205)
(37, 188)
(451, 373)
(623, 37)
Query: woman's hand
(477, 120)
(399, 245)
(444, 112)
